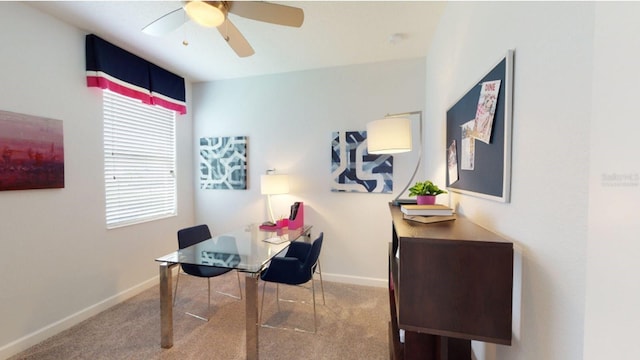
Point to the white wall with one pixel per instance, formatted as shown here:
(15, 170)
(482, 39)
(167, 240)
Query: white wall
(575, 81)
(289, 119)
(613, 289)
(547, 215)
(59, 263)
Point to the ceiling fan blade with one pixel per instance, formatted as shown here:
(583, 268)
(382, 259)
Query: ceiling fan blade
(235, 39)
(167, 23)
(268, 12)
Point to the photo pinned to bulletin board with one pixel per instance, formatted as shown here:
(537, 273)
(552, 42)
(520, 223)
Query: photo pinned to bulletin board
(479, 136)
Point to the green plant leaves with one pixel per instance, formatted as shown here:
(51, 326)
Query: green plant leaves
(425, 188)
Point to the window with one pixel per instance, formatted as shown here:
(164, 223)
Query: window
(139, 161)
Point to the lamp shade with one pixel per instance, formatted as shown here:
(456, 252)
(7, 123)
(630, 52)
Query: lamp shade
(390, 135)
(206, 14)
(272, 184)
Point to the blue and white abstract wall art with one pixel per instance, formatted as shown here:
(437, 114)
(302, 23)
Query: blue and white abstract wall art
(353, 169)
(223, 162)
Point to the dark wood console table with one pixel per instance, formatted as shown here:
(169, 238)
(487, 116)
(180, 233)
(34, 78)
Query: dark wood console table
(449, 283)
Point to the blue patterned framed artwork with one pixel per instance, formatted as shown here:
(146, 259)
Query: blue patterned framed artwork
(223, 162)
(353, 169)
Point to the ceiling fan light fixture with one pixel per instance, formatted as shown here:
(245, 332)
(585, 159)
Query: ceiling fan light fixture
(206, 13)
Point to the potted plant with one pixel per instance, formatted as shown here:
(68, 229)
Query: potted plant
(426, 192)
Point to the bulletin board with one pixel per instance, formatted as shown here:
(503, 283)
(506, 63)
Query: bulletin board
(479, 156)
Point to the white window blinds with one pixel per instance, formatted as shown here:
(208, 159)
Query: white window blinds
(139, 161)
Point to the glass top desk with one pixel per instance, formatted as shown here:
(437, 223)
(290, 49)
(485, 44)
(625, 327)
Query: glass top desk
(245, 250)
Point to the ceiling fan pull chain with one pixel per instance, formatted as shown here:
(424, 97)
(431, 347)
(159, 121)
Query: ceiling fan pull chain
(185, 42)
(226, 31)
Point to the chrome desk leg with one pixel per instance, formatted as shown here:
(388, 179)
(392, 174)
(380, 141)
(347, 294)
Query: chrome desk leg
(166, 306)
(251, 306)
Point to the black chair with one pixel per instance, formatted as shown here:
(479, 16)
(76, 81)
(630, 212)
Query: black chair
(190, 236)
(295, 268)
(298, 249)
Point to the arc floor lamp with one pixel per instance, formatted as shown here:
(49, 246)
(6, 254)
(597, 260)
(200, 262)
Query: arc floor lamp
(392, 135)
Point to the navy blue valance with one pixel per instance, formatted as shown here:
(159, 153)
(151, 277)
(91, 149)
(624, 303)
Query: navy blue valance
(113, 68)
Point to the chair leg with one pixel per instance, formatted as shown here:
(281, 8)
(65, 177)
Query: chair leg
(315, 316)
(175, 296)
(313, 293)
(262, 303)
(239, 289)
(321, 282)
(208, 303)
(239, 285)
(175, 292)
(208, 298)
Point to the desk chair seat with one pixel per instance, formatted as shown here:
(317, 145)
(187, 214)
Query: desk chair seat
(295, 268)
(190, 236)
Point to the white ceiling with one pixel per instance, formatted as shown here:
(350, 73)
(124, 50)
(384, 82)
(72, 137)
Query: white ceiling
(334, 33)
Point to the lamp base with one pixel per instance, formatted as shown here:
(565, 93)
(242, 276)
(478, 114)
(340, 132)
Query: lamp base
(399, 202)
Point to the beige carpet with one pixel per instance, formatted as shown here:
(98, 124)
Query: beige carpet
(352, 325)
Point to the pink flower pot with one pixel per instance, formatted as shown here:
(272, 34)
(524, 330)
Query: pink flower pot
(426, 199)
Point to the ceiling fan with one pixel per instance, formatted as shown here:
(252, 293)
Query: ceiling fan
(214, 14)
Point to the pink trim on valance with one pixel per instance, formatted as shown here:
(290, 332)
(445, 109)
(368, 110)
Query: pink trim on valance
(179, 108)
(144, 96)
(103, 83)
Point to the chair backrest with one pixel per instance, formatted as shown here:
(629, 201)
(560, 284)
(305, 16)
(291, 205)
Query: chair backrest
(193, 235)
(314, 253)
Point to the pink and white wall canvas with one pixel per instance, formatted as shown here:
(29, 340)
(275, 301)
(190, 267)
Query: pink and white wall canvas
(31, 152)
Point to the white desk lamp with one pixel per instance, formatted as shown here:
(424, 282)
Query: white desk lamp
(392, 135)
(273, 184)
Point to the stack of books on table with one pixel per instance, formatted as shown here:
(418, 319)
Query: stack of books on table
(427, 214)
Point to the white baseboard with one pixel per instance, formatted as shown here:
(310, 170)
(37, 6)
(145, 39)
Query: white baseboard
(356, 280)
(46, 332)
